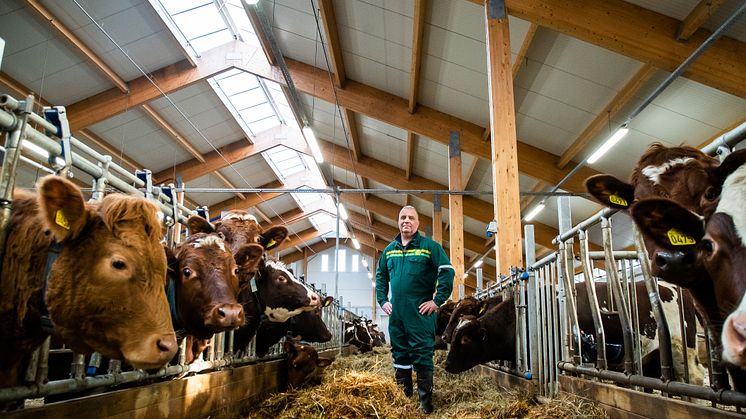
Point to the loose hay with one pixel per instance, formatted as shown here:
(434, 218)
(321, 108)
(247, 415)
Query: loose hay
(362, 386)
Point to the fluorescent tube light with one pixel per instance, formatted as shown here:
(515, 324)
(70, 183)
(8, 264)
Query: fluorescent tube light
(534, 212)
(342, 211)
(479, 263)
(356, 243)
(618, 135)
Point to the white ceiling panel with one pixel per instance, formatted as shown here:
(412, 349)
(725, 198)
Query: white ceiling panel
(679, 9)
(209, 198)
(375, 74)
(278, 206)
(455, 103)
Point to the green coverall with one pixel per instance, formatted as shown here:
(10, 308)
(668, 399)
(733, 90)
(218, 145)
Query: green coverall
(412, 273)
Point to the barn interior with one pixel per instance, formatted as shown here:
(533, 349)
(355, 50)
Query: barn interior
(329, 116)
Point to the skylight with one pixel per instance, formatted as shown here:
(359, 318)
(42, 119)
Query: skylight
(200, 22)
(285, 161)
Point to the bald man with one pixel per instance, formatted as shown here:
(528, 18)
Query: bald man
(420, 277)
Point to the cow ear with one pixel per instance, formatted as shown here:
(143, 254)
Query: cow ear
(249, 256)
(197, 224)
(288, 346)
(62, 207)
(273, 236)
(732, 162)
(323, 362)
(327, 301)
(482, 307)
(610, 191)
(173, 263)
(667, 223)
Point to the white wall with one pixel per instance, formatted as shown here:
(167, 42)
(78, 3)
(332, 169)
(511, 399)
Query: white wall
(355, 288)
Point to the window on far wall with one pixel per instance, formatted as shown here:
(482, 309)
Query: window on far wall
(341, 259)
(324, 263)
(355, 263)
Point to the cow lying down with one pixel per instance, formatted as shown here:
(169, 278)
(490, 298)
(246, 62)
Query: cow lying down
(304, 363)
(104, 292)
(491, 336)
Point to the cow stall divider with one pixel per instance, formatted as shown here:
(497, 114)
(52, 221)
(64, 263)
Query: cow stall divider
(21, 126)
(557, 347)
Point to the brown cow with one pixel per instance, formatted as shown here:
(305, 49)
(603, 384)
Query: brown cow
(308, 326)
(468, 306)
(303, 362)
(104, 292)
(718, 245)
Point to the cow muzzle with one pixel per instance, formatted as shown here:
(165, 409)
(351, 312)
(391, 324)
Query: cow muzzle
(152, 352)
(734, 339)
(226, 316)
(678, 267)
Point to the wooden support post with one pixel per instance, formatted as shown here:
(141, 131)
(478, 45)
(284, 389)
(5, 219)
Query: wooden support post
(503, 139)
(456, 213)
(305, 263)
(437, 220)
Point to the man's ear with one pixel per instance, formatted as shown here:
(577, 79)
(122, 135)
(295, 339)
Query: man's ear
(62, 207)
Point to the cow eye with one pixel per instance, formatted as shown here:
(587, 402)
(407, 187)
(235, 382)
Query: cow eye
(711, 193)
(187, 272)
(708, 247)
(118, 264)
(235, 271)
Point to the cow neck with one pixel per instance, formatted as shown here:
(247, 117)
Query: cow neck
(171, 296)
(53, 252)
(257, 297)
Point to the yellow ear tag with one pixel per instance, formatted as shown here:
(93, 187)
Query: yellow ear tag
(678, 238)
(271, 243)
(616, 199)
(481, 310)
(61, 221)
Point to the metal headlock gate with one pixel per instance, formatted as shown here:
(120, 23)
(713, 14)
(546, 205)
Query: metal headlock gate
(66, 152)
(548, 336)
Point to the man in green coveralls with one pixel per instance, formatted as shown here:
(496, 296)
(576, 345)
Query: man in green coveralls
(413, 267)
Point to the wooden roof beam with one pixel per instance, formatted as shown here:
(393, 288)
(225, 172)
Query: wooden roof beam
(641, 34)
(349, 121)
(697, 17)
(233, 153)
(79, 45)
(172, 132)
(329, 21)
(418, 30)
(410, 154)
(168, 79)
(601, 122)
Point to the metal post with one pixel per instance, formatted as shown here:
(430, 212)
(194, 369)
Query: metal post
(664, 336)
(566, 287)
(590, 287)
(530, 245)
(622, 307)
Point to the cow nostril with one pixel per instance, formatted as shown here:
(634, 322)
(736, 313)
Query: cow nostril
(688, 258)
(164, 345)
(660, 261)
(221, 312)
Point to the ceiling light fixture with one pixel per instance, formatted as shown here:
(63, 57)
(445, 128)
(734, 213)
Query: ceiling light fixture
(313, 144)
(534, 212)
(606, 146)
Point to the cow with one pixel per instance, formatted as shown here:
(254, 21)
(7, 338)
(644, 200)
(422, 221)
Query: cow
(716, 244)
(444, 315)
(492, 335)
(377, 337)
(357, 333)
(104, 292)
(303, 362)
(307, 326)
(468, 306)
(267, 289)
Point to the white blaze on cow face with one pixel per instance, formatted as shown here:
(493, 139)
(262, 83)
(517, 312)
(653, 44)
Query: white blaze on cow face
(733, 201)
(654, 172)
(462, 323)
(239, 215)
(210, 241)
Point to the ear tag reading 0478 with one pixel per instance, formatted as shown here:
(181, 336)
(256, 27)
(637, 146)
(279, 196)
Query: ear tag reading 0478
(618, 200)
(61, 221)
(678, 238)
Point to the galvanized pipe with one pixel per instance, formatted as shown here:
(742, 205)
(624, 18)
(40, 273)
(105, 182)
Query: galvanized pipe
(590, 287)
(585, 224)
(729, 397)
(621, 305)
(664, 335)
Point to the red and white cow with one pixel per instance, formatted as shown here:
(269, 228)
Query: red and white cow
(105, 292)
(304, 362)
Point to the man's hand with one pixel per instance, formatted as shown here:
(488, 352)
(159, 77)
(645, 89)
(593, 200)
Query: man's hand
(387, 307)
(428, 307)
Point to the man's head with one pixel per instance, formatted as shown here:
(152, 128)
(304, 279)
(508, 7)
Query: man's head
(409, 221)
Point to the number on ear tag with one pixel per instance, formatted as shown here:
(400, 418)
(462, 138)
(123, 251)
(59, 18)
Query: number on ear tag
(678, 238)
(618, 200)
(61, 221)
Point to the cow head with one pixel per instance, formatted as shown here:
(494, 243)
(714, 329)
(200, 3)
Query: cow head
(205, 275)
(467, 306)
(239, 228)
(310, 326)
(357, 334)
(280, 293)
(483, 339)
(682, 174)
(106, 291)
(302, 362)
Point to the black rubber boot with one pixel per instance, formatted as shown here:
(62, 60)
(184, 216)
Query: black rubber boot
(425, 391)
(404, 380)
